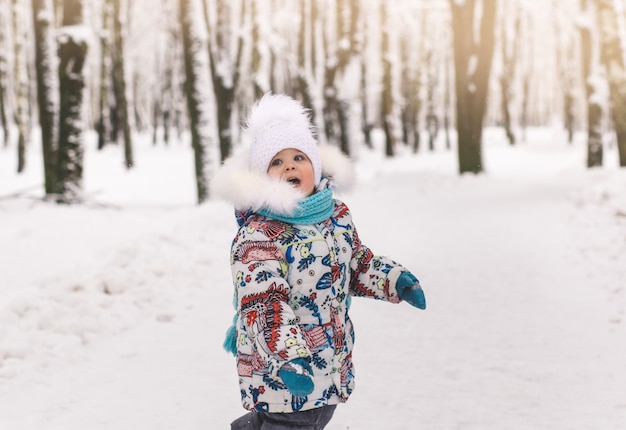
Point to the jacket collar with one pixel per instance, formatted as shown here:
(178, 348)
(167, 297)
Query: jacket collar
(247, 189)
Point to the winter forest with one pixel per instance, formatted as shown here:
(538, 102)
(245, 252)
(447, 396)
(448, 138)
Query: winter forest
(488, 139)
(187, 71)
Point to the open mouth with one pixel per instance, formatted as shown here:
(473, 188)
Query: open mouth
(294, 181)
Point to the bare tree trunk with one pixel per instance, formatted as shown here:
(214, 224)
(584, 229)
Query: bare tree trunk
(569, 100)
(565, 55)
(20, 80)
(447, 102)
(3, 74)
(432, 121)
(411, 53)
(171, 75)
(472, 61)
(259, 86)
(72, 54)
(306, 55)
(366, 123)
(196, 72)
(387, 93)
(527, 70)
(104, 119)
(226, 78)
(157, 98)
(351, 25)
(342, 49)
(594, 109)
(47, 88)
(121, 98)
(138, 102)
(612, 56)
(510, 41)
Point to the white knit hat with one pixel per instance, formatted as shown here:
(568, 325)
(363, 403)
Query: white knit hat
(278, 122)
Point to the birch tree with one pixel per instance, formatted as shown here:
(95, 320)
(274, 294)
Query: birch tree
(170, 91)
(119, 81)
(342, 47)
(411, 53)
(47, 88)
(566, 61)
(526, 68)
(307, 55)
(225, 54)
(387, 83)
(3, 73)
(473, 29)
(367, 121)
(104, 118)
(20, 82)
(434, 66)
(72, 50)
(260, 85)
(592, 86)
(612, 57)
(197, 93)
(509, 48)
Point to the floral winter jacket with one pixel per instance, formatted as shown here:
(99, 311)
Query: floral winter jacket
(292, 287)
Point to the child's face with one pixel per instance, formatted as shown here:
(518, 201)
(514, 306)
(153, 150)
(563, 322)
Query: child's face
(294, 167)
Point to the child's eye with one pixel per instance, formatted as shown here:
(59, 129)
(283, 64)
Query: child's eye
(276, 162)
(298, 157)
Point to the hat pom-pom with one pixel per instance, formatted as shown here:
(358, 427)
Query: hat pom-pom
(276, 107)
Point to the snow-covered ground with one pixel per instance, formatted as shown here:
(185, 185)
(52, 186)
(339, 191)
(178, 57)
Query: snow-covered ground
(112, 313)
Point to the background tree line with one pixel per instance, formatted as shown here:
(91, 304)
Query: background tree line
(414, 69)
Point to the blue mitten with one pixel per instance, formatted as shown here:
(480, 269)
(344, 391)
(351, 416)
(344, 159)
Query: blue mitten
(297, 377)
(409, 290)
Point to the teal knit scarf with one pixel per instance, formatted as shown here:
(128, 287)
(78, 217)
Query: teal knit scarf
(312, 210)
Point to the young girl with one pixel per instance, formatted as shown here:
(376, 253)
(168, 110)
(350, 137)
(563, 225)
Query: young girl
(296, 260)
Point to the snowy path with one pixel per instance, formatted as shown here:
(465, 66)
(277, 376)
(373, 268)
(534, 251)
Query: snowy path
(525, 327)
(511, 339)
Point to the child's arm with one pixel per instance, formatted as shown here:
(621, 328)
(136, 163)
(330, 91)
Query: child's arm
(373, 276)
(382, 278)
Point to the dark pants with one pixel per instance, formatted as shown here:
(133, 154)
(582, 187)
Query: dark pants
(313, 419)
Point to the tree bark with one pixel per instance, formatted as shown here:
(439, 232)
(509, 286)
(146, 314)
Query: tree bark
(20, 80)
(306, 55)
(472, 64)
(259, 85)
(72, 49)
(510, 41)
(565, 54)
(3, 77)
(170, 90)
(594, 109)
(119, 82)
(226, 78)
(612, 56)
(104, 119)
(342, 53)
(47, 88)
(387, 93)
(196, 85)
(410, 53)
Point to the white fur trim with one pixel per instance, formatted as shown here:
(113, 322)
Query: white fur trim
(338, 167)
(245, 188)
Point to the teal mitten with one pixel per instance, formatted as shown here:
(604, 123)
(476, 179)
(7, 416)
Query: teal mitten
(297, 377)
(409, 290)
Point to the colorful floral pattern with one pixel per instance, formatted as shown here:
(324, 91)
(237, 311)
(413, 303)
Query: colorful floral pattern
(292, 286)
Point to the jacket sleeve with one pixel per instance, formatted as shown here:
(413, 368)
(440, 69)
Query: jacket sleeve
(259, 270)
(372, 275)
